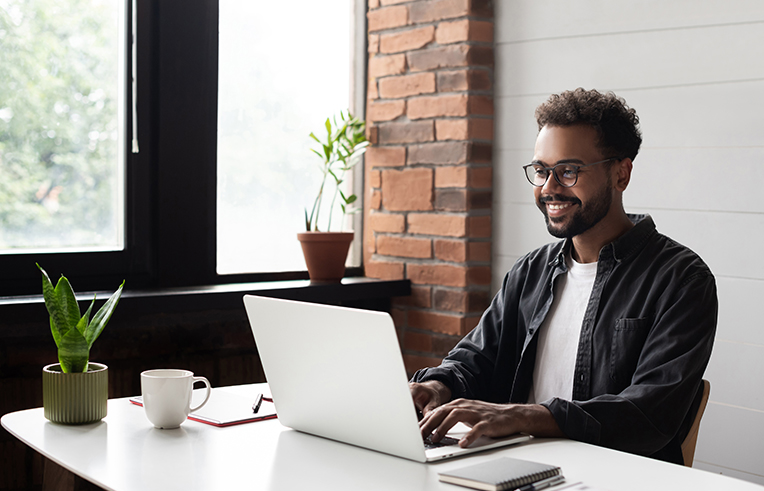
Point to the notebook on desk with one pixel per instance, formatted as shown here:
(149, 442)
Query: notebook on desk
(338, 373)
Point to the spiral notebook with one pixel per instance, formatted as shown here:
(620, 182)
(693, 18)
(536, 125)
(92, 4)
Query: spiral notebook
(500, 474)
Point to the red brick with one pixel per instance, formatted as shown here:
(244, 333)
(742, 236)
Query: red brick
(371, 89)
(450, 250)
(417, 341)
(375, 179)
(373, 4)
(385, 110)
(450, 56)
(376, 200)
(372, 134)
(384, 270)
(461, 301)
(380, 66)
(416, 362)
(414, 132)
(464, 129)
(439, 153)
(479, 275)
(437, 106)
(373, 44)
(441, 57)
(385, 157)
(431, 321)
(478, 177)
(441, 345)
(437, 224)
(406, 40)
(481, 153)
(469, 323)
(400, 320)
(451, 199)
(464, 30)
(387, 222)
(465, 79)
(420, 297)
(393, 2)
(478, 251)
(406, 85)
(404, 247)
(480, 104)
(479, 226)
(387, 18)
(437, 274)
(451, 176)
(434, 10)
(407, 190)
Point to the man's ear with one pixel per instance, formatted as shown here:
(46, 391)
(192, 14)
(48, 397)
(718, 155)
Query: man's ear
(622, 174)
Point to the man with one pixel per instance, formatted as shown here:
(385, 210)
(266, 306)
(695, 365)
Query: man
(602, 337)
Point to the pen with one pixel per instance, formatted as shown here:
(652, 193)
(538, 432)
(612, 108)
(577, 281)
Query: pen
(258, 402)
(544, 483)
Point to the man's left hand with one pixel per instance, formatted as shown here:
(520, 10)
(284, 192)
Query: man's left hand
(489, 419)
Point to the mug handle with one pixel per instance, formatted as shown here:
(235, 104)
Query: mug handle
(209, 391)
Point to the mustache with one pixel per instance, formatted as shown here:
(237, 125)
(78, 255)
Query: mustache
(558, 197)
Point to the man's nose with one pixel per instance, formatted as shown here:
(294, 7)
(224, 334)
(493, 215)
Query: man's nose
(551, 186)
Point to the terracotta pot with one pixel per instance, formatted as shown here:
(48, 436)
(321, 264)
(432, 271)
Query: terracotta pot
(75, 398)
(325, 254)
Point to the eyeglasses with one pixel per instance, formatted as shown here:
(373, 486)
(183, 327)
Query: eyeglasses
(565, 174)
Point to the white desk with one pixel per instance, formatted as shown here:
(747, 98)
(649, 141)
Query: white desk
(125, 452)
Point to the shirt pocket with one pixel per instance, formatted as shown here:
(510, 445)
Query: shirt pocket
(628, 339)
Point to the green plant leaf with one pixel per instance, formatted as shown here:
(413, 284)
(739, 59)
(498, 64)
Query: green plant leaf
(85, 319)
(351, 199)
(61, 305)
(73, 352)
(101, 318)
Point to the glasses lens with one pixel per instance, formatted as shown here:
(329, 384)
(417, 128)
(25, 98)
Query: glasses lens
(566, 174)
(536, 174)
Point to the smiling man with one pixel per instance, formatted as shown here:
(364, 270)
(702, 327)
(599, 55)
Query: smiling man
(601, 337)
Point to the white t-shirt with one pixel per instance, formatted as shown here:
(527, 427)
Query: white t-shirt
(560, 332)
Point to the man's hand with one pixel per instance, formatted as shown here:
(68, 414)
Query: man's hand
(488, 419)
(429, 395)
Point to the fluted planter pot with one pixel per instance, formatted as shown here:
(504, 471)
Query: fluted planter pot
(325, 254)
(75, 398)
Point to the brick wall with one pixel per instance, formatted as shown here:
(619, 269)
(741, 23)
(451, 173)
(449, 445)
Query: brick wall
(428, 172)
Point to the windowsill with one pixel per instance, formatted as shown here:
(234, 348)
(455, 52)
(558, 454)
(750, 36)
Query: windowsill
(224, 297)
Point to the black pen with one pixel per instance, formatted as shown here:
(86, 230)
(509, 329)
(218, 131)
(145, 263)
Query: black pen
(258, 402)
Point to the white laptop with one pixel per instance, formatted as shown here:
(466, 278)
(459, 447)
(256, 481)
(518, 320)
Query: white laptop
(338, 373)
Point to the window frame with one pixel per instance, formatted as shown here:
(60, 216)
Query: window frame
(171, 184)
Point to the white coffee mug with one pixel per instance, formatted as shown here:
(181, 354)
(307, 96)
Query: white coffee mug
(167, 396)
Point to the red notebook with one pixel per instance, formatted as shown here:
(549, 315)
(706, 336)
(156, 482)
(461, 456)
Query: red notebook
(225, 408)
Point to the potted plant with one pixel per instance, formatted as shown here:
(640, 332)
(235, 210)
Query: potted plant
(74, 390)
(326, 251)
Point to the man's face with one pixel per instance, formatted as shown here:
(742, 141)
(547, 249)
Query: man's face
(572, 211)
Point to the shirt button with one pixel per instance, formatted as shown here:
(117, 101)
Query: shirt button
(581, 377)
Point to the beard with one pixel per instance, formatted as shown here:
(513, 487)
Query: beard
(587, 216)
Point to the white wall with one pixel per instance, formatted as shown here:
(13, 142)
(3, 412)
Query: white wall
(694, 71)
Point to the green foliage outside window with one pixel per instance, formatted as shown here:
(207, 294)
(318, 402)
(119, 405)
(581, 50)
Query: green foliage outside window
(59, 128)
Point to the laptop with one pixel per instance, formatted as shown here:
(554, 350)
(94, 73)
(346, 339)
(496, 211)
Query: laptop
(338, 373)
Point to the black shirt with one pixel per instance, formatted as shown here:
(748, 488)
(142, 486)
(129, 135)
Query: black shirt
(645, 342)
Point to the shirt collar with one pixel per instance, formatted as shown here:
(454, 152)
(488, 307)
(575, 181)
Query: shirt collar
(621, 248)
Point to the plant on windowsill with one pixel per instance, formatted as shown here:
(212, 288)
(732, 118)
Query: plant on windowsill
(326, 252)
(74, 390)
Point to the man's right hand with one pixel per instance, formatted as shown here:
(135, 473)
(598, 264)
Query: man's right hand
(429, 395)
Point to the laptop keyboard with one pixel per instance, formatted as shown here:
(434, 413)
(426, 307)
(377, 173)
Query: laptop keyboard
(445, 442)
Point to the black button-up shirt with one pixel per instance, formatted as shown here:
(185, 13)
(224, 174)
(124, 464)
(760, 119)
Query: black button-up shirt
(646, 339)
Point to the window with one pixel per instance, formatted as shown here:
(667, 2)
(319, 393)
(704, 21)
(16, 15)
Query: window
(278, 82)
(170, 187)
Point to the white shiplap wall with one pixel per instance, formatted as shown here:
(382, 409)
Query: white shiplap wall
(694, 71)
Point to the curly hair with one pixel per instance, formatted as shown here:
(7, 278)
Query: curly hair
(617, 125)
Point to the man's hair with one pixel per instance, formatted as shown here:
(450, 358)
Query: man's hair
(616, 124)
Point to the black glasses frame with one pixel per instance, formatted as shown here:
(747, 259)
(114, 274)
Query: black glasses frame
(553, 170)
